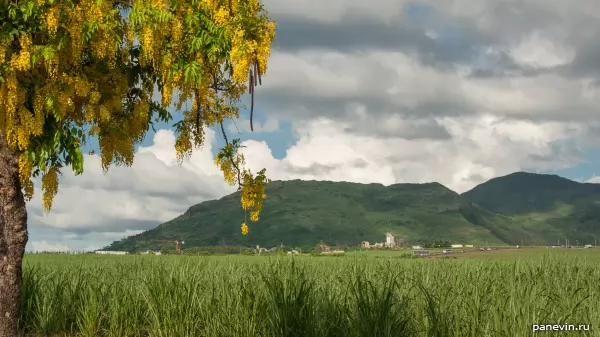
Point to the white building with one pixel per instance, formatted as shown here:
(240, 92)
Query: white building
(417, 247)
(389, 240)
(333, 252)
(109, 252)
(457, 246)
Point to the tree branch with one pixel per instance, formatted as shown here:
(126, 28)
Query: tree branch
(251, 86)
(235, 166)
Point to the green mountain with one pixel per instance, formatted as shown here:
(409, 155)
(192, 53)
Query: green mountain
(521, 208)
(303, 213)
(548, 208)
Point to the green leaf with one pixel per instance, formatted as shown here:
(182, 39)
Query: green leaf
(78, 162)
(57, 139)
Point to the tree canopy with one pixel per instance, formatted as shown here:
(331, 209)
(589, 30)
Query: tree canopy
(75, 69)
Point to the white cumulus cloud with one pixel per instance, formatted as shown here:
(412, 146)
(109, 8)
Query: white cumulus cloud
(127, 200)
(44, 246)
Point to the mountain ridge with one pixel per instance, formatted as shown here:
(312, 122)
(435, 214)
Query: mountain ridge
(304, 212)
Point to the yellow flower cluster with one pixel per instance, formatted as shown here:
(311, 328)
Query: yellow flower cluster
(40, 114)
(147, 41)
(64, 103)
(117, 149)
(25, 168)
(104, 114)
(94, 11)
(51, 64)
(95, 97)
(140, 118)
(101, 47)
(75, 20)
(11, 97)
(226, 166)
(130, 38)
(81, 86)
(3, 49)
(52, 20)
(90, 96)
(183, 146)
(209, 4)
(244, 229)
(221, 16)
(253, 194)
(49, 187)
(264, 47)
(167, 94)
(18, 123)
(176, 30)
(244, 51)
(107, 151)
(157, 4)
(22, 60)
(28, 125)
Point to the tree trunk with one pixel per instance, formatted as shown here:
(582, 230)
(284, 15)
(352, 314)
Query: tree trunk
(13, 238)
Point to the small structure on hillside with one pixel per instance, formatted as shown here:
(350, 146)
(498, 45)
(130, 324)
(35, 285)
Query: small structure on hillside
(260, 249)
(417, 247)
(401, 242)
(457, 246)
(323, 248)
(389, 240)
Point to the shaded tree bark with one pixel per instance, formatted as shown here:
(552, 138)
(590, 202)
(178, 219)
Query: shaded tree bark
(13, 238)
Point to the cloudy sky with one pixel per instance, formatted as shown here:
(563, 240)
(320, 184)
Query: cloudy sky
(388, 91)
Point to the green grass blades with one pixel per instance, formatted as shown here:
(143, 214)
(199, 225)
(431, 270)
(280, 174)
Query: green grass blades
(261, 296)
